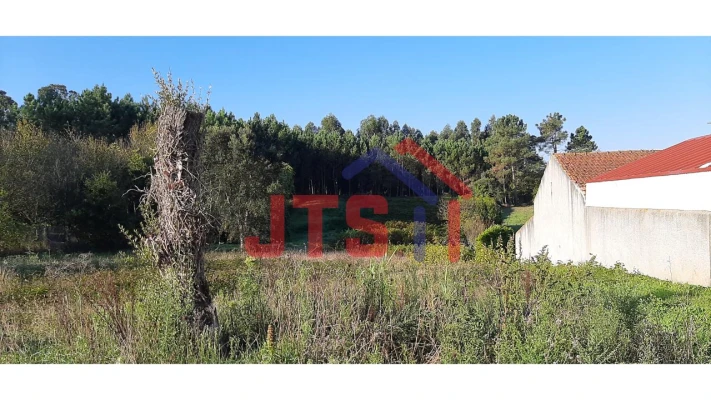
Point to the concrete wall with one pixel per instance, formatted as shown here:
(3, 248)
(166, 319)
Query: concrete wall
(672, 192)
(558, 219)
(665, 244)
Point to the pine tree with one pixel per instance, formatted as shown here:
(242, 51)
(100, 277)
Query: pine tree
(552, 133)
(581, 141)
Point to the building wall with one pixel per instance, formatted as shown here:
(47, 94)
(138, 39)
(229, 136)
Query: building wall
(666, 244)
(673, 192)
(558, 219)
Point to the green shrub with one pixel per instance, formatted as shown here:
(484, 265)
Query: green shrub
(401, 232)
(364, 237)
(476, 214)
(472, 228)
(495, 236)
(467, 253)
(436, 253)
(400, 236)
(484, 207)
(13, 235)
(80, 186)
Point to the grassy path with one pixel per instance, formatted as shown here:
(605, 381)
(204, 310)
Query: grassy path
(515, 217)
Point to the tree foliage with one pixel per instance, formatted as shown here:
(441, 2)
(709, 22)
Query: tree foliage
(69, 157)
(79, 184)
(581, 142)
(93, 112)
(461, 131)
(240, 177)
(330, 123)
(552, 133)
(8, 111)
(511, 152)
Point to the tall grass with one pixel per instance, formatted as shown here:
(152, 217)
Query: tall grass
(342, 310)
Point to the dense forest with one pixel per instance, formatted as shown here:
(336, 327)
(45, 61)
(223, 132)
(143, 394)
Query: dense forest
(73, 163)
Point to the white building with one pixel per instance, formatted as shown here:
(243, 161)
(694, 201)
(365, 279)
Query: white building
(650, 210)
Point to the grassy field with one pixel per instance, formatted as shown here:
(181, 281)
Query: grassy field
(516, 217)
(112, 308)
(487, 308)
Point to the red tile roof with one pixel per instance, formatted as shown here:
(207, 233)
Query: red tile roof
(683, 158)
(581, 167)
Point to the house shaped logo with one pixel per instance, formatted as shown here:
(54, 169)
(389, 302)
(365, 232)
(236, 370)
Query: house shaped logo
(316, 203)
(409, 146)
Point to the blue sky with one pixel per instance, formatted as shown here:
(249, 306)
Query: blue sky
(631, 93)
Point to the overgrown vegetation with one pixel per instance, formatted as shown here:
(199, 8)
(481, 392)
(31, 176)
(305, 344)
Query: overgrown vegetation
(108, 309)
(69, 189)
(68, 162)
(177, 231)
(495, 236)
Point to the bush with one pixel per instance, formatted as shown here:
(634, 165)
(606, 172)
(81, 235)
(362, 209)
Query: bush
(13, 235)
(436, 254)
(495, 236)
(472, 228)
(486, 208)
(400, 236)
(365, 238)
(75, 185)
(402, 232)
(476, 214)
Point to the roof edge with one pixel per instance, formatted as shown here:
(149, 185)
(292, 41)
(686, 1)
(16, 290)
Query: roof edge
(650, 175)
(648, 166)
(570, 178)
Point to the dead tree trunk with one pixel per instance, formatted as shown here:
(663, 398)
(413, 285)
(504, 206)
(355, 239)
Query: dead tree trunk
(181, 219)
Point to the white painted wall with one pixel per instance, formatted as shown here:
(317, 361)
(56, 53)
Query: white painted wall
(673, 192)
(629, 225)
(558, 219)
(666, 244)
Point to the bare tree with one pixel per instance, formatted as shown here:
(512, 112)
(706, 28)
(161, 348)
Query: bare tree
(181, 222)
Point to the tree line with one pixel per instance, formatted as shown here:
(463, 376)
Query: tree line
(71, 159)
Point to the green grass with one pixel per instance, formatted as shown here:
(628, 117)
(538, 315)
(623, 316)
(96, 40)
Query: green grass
(516, 217)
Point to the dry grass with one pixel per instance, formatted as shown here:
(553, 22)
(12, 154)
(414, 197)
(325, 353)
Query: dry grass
(344, 310)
